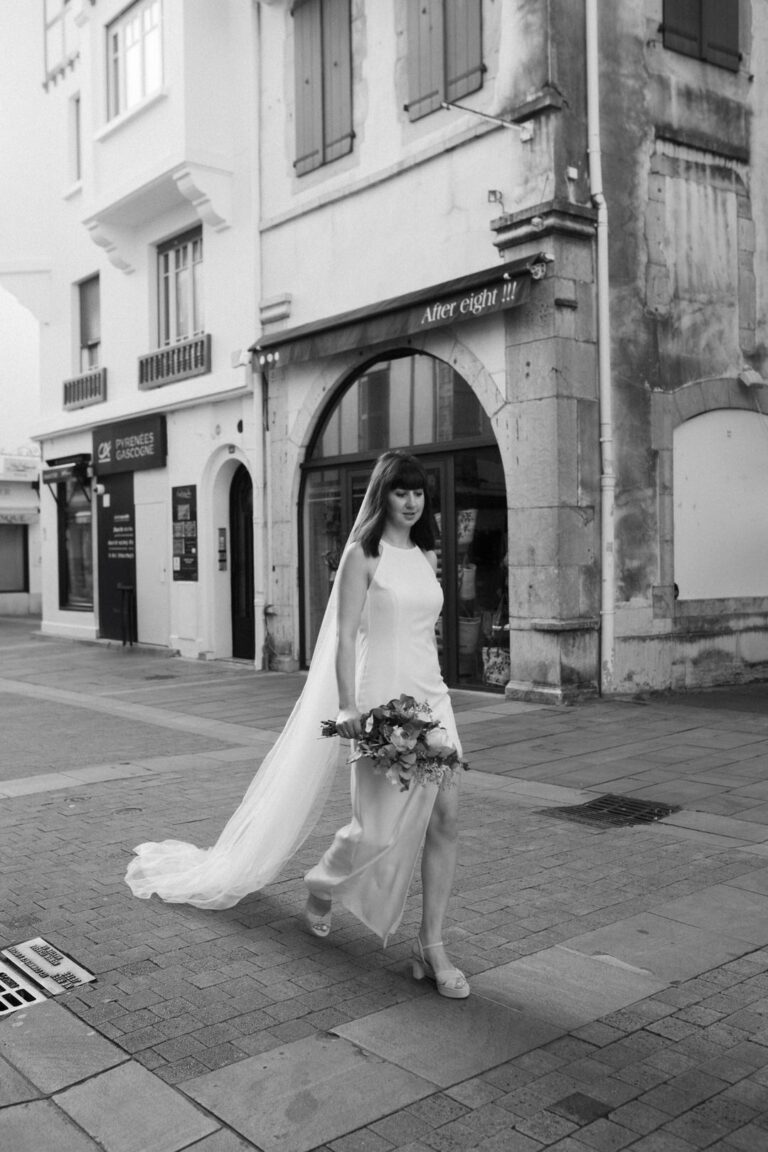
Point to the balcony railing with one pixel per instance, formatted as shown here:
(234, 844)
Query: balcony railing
(177, 362)
(90, 388)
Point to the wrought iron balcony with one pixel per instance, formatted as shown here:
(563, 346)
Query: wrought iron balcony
(89, 388)
(176, 362)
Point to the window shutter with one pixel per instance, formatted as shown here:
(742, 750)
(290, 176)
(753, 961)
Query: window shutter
(425, 56)
(720, 33)
(337, 79)
(309, 101)
(682, 26)
(463, 48)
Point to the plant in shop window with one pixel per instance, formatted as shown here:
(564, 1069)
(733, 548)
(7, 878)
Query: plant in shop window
(496, 657)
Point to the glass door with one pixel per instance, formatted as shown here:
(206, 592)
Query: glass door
(479, 531)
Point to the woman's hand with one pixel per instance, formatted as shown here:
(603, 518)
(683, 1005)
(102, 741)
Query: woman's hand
(348, 723)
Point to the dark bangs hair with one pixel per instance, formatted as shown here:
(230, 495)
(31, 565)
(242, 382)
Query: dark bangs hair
(394, 469)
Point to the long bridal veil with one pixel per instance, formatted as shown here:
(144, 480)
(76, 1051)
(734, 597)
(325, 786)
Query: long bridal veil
(277, 813)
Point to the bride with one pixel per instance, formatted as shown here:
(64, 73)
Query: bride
(378, 636)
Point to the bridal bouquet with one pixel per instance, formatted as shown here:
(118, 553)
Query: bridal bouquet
(404, 743)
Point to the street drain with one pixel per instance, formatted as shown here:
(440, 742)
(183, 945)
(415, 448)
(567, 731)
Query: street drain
(35, 969)
(612, 811)
(15, 992)
(162, 676)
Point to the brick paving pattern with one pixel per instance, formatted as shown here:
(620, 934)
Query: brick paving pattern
(184, 992)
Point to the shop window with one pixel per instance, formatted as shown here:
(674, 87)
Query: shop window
(135, 61)
(90, 323)
(75, 548)
(180, 288)
(60, 36)
(445, 53)
(14, 567)
(419, 403)
(408, 401)
(323, 68)
(705, 29)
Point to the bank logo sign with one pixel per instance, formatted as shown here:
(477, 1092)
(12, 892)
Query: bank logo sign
(130, 446)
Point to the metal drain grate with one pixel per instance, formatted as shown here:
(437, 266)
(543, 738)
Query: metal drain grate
(16, 993)
(612, 811)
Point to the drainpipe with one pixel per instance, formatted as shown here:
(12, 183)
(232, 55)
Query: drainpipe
(607, 474)
(262, 494)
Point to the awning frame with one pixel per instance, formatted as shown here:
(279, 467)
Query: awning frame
(268, 348)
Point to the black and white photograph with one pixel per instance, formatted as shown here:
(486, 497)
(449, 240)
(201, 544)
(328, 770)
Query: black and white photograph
(384, 576)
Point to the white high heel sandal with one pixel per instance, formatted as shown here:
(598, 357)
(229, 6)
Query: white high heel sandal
(450, 982)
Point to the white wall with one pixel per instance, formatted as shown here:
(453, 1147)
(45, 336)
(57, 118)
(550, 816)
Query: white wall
(408, 207)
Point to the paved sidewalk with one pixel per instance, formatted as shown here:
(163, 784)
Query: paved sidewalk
(619, 974)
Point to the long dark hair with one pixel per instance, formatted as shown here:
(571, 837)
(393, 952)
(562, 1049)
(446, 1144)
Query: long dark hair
(394, 469)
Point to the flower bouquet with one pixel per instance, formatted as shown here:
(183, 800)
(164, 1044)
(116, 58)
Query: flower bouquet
(403, 742)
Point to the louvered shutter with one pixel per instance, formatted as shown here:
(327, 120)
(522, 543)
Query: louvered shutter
(682, 26)
(425, 56)
(307, 40)
(337, 79)
(720, 33)
(463, 48)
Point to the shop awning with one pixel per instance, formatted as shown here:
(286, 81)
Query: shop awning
(467, 298)
(74, 468)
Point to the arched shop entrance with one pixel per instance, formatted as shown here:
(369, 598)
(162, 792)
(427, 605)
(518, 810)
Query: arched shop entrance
(419, 403)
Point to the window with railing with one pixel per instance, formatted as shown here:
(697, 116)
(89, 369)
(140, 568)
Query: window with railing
(180, 288)
(184, 347)
(61, 38)
(135, 55)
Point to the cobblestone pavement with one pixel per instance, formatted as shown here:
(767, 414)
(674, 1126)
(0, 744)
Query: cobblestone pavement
(620, 974)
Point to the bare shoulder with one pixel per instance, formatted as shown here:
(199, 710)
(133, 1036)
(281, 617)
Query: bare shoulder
(356, 564)
(432, 557)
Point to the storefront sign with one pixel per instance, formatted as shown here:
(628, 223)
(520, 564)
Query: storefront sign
(467, 298)
(130, 447)
(25, 516)
(471, 305)
(184, 510)
(73, 470)
(47, 966)
(19, 467)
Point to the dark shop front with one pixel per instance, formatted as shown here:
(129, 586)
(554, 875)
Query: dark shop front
(120, 450)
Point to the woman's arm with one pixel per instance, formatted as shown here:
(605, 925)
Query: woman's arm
(353, 577)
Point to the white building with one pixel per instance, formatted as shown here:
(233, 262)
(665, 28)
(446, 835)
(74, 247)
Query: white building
(141, 256)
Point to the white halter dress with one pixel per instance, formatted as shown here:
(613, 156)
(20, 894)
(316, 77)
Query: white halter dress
(369, 866)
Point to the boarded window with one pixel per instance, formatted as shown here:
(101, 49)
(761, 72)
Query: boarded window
(445, 52)
(323, 68)
(720, 484)
(705, 29)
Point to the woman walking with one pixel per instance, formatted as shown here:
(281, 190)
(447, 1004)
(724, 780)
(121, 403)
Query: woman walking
(378, 638)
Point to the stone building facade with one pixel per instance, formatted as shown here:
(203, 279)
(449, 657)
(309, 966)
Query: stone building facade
(621, 409)
(521, 240)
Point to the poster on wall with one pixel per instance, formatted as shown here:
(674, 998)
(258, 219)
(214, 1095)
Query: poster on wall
(184, 510)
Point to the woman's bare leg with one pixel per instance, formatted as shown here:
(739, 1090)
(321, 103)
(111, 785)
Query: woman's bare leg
(438, 865)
